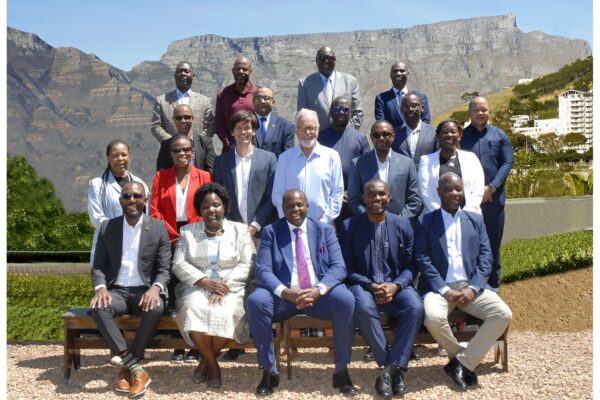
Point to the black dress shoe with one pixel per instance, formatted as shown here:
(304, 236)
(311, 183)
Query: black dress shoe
(269, 381)
(192, 356)
(369, 356)
(177, 356)
(383, 385)
(470, 377)
(233, 354)
(455, 370)
(398, 386)
(341, 380)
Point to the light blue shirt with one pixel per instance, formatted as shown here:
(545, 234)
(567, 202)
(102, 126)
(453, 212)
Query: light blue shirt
(319, 176)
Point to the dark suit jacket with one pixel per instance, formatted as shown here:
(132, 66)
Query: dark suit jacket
(154, 258)
(260, 185)
(402, 183)
(431, 250)
(280, 135)
(357, 243)
(274, 261)
(386, 107)
(426, 144)
(203, 149)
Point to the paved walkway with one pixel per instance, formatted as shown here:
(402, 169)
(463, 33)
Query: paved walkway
(49, 268)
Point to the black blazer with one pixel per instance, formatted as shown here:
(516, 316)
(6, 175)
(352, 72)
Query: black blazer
(203, 147)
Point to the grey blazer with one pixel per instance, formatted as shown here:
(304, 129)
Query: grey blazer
(154, 258)
(162, 125)
(426, 144)
(280, 135)
(312, 96)
(402, 183)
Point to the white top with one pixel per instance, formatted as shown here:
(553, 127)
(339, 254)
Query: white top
(128, 272)
(413, 138)
(242, 176)
(183, 98)
(181, 200)
(383, 167)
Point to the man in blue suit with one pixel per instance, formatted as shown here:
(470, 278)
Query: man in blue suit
(494, 150)
(300, 269)
(377, 247)
(396, 170)
(416, 137)
(387, 104)
(276, 134)
(452, 251)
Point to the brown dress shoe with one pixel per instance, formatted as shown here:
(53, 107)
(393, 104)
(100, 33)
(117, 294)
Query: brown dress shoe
(124, 380)
(139, 382)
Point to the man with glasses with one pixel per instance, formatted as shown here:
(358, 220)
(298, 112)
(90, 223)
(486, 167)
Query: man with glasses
(396, 170)
(130, 271)
(317, 91)
(312, 168)
(162, 126)
(275, 133)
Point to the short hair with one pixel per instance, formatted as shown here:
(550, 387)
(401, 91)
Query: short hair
(438, 129)
(474, 99)
(180, 136)
(115, 142)
(184, 62)
(212, 187)
(305, 112)
(243, 116)
(448, 174)
(376, 180)
(182, 106)
(412, 92)
(136, 183)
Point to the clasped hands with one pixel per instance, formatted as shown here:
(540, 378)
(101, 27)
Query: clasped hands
(149, 300)
(383, 292)
(217, 287)
(302, 298)
(460, 298)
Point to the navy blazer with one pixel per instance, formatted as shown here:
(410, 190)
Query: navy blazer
(426, 144)
(386, 107)
(280, 135)
(274, 260)
(260, 185)
(431, 250)
(402, 183)
(357, 241)
(203, 149)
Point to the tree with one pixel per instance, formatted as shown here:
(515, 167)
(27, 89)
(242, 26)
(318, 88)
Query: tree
(574, 139)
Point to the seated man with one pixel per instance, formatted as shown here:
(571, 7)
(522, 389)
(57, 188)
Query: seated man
(377, 247)
(131, 269)
(300, 269)
(452, 251)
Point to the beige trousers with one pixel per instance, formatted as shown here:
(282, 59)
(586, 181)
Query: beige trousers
(486, 305)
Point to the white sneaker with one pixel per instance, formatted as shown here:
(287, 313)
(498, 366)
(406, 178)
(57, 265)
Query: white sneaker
(116, 361)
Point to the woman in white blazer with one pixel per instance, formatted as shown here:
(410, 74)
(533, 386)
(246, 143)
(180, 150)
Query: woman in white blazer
(104, 191)
(450, 158)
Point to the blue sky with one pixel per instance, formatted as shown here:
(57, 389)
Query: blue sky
(125, 33)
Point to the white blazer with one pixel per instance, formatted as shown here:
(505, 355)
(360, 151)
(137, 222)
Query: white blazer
(472, 176)
(103, 202)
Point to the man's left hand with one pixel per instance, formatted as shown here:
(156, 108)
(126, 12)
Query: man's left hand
(487, 194)
(308, 299)
(385, 293)
(252, 230)
(466, 296)
(150, 299)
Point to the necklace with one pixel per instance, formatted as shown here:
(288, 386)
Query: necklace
(213, 233)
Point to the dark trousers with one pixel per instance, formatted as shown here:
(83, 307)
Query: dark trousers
(125, 300)
(493, 217)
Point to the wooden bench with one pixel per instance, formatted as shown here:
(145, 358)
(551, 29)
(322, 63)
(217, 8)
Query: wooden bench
(458, 321)
(81, 333)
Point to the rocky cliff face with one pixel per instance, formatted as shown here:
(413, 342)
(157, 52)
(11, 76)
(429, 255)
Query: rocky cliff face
(64, 106)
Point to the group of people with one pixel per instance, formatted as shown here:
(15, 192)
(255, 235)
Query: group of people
(325, 227)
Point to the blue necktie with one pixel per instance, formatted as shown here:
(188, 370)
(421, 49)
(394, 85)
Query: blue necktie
(378, 276)
(263, 130)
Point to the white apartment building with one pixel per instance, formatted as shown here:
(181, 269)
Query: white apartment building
(575, 110)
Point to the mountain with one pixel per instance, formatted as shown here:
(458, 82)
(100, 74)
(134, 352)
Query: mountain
(64, 106)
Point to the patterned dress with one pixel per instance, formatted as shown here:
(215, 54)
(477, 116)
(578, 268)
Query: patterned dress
(236, 264)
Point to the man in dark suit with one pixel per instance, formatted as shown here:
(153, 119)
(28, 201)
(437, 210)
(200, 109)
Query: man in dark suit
(377, 247)
(396, 170)
(452, 251)
(130, 271)
(415, 137)
(387, 104)
(276, 133)
(161, 125)
(300, 269)
(203, 156)
(494, 150)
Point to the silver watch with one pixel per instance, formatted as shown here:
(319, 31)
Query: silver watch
(322, 289)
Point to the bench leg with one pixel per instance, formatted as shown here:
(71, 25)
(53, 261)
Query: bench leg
(68, 354)
(288, 349)
(77, 359)
(505, 352)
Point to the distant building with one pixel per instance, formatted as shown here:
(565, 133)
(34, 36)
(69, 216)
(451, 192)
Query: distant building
(524, 81)
(576, 113)
(517, 121)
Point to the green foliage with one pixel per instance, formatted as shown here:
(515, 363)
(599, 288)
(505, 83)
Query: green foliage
(462, 116)
(525, 258)
(574, 138)
(579, 183)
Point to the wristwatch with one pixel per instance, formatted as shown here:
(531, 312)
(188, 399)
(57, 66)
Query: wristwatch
(492, 188)
(322, 289)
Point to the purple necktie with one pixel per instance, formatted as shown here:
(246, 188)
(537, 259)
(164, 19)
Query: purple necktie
(301, 265)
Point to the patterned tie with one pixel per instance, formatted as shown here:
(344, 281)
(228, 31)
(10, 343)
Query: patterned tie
(301, 264)
(378, 275)
(263, 129)
(329, 90)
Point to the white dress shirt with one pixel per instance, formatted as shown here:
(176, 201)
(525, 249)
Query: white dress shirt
(183, 98)
(399, 96)
(181, 200)
(383, 167)
(242, 176)
(128, 273)
(413, 137)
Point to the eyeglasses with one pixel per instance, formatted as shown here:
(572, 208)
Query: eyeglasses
(129, 196)
(308, 129)
(381, 134)
(178, 150)
(262, 98)
(183, 117)
(323, 58)
(341, 110)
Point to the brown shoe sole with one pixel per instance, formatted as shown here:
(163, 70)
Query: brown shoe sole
(143, 391)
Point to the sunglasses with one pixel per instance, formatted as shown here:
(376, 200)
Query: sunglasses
(129, 196)
(263, 98)
(178, 150)
(325, 58)
(183, 117)
(381, 134)
(341, 110)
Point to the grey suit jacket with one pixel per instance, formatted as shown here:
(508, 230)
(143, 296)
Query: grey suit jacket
(426, 144)
(402, 183)
(260, 185)
(162, 125)
(154, 257)
(280, 135)
(312, 96)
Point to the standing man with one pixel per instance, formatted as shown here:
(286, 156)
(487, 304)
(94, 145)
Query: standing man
(494, 150)
(416, 137)
(233, 98)
(396, 170)
(276, 133)
(313, 168)
(162, 126)
(377, 247)
(452, 252)
(317, 91)
(300, 269)
(130, 271)
(387, 104)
